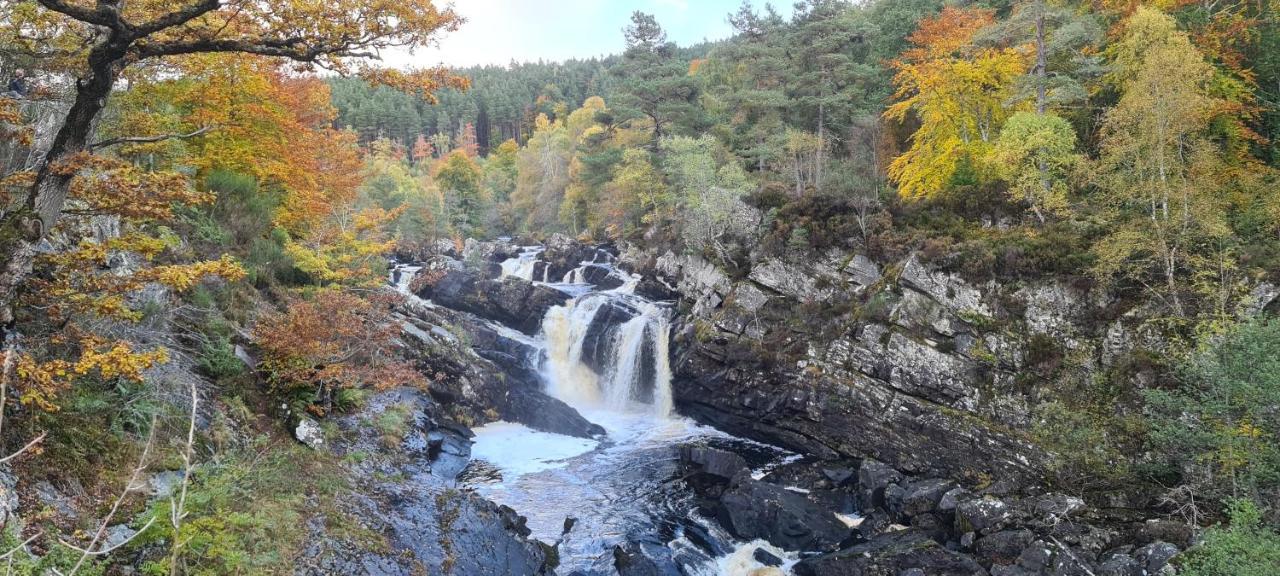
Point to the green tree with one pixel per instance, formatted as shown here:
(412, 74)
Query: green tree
(458, 177)
(1157, 165)
(1035, 154)
(655, 84)
(543, 166)
(1219, 430)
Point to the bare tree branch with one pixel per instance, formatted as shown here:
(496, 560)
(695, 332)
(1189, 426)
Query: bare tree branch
(148, 139)
(29, 446)
(88, 551)
(177, 506)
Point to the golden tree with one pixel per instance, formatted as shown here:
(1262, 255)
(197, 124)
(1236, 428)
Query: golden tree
(97, 42)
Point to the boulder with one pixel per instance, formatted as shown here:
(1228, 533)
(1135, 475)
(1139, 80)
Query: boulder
(752, 509)
(514, 302)
(1120, 564)
(633, 559)
(765, 557)
(891, 554)
(478, 251)
(1155, 556)
(923, 496)
(657, 289)
(600, 276)
(563, 254)
(308, 432)
(981, 515)
(720, 464)
(873, 478)
(1003, 547)
(542, 412)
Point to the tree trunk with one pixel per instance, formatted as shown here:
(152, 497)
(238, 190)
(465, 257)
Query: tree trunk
(1042, 61)
(22, 230)
(822, 141)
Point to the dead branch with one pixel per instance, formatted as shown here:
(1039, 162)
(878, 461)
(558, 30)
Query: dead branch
(177, 506)
(147, 139)
(88, 551)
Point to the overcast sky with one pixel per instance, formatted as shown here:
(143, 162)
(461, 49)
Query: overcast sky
(499, 31)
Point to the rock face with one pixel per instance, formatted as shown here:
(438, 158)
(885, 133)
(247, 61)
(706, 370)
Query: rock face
(403, 495)
(894, 553)
(837, 358)
(751, 509)
(486, 371)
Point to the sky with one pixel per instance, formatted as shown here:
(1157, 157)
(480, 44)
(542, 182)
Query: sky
(500, 31)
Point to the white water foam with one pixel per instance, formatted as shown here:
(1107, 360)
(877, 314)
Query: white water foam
(517, 450)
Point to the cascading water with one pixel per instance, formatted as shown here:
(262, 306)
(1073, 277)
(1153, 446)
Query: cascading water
(523, 266)
(607, 354)
(632, 357)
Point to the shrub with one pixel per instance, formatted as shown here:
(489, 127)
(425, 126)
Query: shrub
(1245, 548)
(333, 341)
(245, 512)
(1218, 430)
(218, 358)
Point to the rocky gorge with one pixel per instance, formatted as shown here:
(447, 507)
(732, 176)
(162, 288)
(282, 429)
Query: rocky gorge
(905, 405)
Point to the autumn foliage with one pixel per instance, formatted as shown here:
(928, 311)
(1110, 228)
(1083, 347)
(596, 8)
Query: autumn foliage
(332, 341)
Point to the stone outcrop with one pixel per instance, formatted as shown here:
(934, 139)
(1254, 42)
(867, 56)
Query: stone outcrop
(403, 495)
(484, 371)
(514, 302)
(841, 356)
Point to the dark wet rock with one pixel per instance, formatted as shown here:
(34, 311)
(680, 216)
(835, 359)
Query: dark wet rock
(602, 277)
(490, 251)
(656, 288)
(873, 478)
(717, 463)
(597, 343)
(563, 254)
(752, 509)
(514, 302)
(402, 495)
(448, 448)
(636, 559)
(829, 417)
(765, 557)
(873, 524)
(542, 412)
(924, 496)
(840, 475)
(1003, 547)
(890, 555)
(982, 515)
(1155, 556)
(703, 539)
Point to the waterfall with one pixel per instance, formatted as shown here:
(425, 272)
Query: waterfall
(524, 265)
(592, 359)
